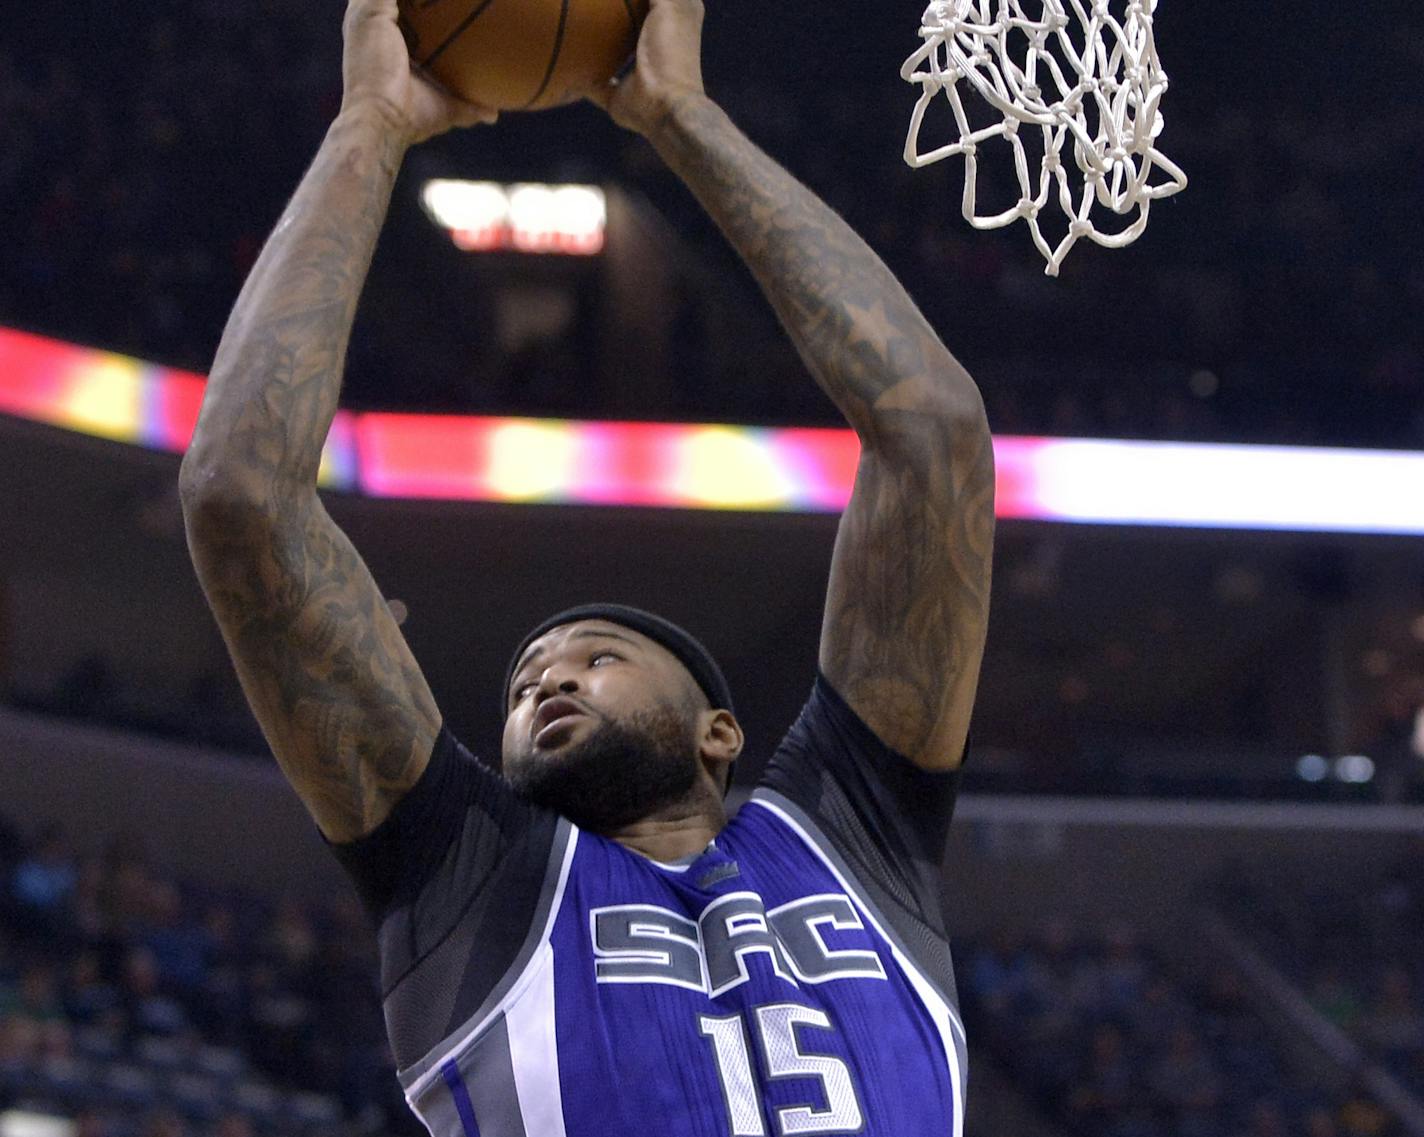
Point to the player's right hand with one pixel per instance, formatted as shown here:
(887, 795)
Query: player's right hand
(668, 67)
(377, 74)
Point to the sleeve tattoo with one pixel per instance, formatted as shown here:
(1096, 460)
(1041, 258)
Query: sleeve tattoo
(322, 661)
(908, 603)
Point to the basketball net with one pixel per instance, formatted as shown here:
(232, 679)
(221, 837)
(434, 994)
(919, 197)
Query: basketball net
(1080, 74)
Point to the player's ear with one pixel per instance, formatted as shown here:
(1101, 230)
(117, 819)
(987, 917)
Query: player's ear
(722, 738)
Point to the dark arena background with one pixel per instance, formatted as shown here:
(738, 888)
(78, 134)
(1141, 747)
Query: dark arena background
(1187, 870)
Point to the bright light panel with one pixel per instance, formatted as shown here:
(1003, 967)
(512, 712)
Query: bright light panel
(24, 1123)
(528, 217)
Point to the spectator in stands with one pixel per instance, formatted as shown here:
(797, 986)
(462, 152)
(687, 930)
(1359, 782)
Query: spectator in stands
(1186, 1083)
(233, 1125)
(1000, 973)
(180, 948)
(164, 1123)
(88, 906)
(32, 1025)
(18, 1038)
(150, 1010)
(1412, 1071)
(278, 1024)
(1161, 1011)
(1124, 971)
(1236, 1035)
(1362, 1116)
(1393, 1023)
(1267, 1120)
(1397, 745)
(88, 996)
(1107, 1088)
(92, 1123)
(290, 941)
(1321, 1123)
(44, 882)
(36, 997)
(1333, 997)
(219, 1008)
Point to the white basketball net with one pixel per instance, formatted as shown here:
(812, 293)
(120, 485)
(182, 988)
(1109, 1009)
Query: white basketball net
(1077, 71)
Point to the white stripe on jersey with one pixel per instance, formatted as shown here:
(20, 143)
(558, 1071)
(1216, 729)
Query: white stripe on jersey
(534, 1049)
(946, 1021)
(416, 1089)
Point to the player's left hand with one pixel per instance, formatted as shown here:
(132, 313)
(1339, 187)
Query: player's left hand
(377, 73)
(668, 67)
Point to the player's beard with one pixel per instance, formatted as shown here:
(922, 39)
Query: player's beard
(621, 772)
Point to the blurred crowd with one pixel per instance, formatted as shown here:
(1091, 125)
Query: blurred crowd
(1357, 955)
(1277, 301)
(1112, 1042)
(209, 711)
(146, 1007)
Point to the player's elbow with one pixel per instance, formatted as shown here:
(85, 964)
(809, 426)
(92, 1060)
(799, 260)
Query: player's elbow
(206, 483)
(212, 490)
(929, 422)
(957, 399)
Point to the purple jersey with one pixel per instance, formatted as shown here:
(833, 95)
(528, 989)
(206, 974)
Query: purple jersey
(792, 979)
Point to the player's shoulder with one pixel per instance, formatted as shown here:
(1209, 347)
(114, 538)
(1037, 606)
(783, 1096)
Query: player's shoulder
(838, 787)
(828, 728)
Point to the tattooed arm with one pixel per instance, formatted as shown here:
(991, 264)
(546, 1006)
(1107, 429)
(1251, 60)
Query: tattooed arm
(908, 604)
(339, 696)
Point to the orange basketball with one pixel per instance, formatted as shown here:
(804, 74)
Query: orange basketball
(522, 54)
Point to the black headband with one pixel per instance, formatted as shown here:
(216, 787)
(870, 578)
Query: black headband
(690, 653)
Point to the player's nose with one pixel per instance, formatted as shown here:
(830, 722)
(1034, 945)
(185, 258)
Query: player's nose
(556, 679)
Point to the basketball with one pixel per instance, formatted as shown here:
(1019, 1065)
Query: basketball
(522, 54)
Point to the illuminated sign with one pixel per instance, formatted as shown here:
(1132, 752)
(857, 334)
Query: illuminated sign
(524, 218)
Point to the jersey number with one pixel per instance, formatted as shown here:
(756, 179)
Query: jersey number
(776, 1026)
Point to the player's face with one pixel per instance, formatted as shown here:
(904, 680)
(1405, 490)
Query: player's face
(603, 726)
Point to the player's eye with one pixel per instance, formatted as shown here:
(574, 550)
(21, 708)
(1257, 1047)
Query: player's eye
(517, 694)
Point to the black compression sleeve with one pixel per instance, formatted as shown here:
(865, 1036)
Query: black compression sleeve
(887, 817)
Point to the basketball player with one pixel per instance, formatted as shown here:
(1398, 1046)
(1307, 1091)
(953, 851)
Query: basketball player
(586, 946)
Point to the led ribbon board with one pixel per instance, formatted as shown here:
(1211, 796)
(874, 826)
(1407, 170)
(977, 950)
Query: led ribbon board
(113, 396)
(687, 466)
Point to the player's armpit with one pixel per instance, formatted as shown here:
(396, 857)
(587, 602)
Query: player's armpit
(907, 609)
(326, 670)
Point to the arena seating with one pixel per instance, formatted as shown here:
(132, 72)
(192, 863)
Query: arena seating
(1113, 1043)
(1355, 954)
(148, 1008)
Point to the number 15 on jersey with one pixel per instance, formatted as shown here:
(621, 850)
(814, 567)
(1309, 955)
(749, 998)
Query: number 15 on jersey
(776, 1029)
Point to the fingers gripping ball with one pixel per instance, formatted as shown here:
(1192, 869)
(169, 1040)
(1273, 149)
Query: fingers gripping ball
(522, 54)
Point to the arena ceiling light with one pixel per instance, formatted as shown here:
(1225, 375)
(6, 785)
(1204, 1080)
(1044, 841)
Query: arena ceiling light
(712, 466)
(527, 217)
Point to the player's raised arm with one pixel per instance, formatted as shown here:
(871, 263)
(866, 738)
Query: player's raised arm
(340, 698)
(908, 604)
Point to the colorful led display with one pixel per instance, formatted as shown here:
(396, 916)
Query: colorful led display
(689, 466)
(113, 396)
